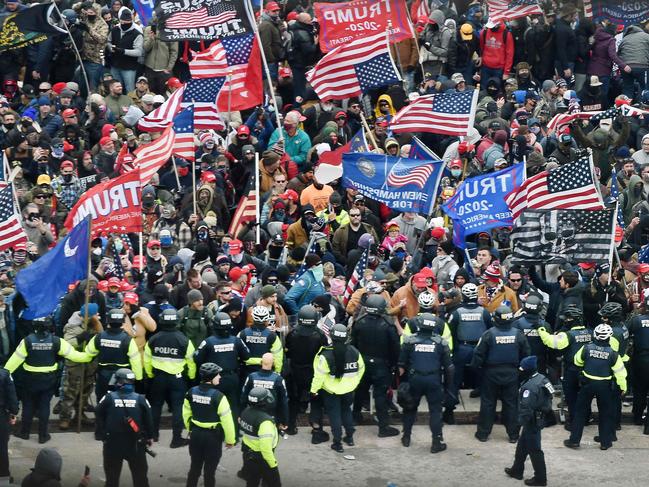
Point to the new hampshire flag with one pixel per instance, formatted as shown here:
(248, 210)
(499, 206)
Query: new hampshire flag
(44, 282)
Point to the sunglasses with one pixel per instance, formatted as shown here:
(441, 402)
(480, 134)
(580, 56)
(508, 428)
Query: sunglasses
(155, 247)
(515, 280)
(34, 215)
(355, 105)
(280, 181)
(272, 281)
(359, 203)
(226, 292)
(341, 118)
(39, 197)
(354, 215)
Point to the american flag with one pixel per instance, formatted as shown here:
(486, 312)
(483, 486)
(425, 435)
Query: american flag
(557, 236)
(184, 128)
(643, 255)
(401, 175)
(351, 69)
(311, 249)
(560, 120)
(11, 232)
(512, 9)
(588, 9)
(117, 270)
(419, 150)
(162, 117)
(203, 17)
(246, 212)
(446, 113)
(202, 94)
(615, 193)
(572, 186)
(356, 277)
(152, 156)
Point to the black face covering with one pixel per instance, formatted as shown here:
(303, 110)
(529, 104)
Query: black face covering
(8, 126)
(67, 177)
(492, 91)
(91, 18)
(275, 251)
(125, 27)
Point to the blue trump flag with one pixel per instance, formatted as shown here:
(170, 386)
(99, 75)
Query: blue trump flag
(144, 9)
(479, 202)
(402, 184)
(44, 282)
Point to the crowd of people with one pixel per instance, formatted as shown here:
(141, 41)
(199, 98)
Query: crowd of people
(242, 336)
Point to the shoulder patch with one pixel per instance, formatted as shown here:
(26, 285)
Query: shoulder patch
(549, 387)
(526, 393)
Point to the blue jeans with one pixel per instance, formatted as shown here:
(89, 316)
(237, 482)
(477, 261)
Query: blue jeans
(94, 72)
(487, 73)
(637, 75)
(126, 77)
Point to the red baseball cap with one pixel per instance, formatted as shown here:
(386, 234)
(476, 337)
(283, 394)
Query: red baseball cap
(243, 129)
(102, 285)
(289, 194)
(235, 248)
(174, 82)
(105, 140)
(587, 265)
(114, 282)
(139, 259)
(131, 298)
(427, 272)
(208, 177)
(58, 87)
(437, 233)
(69, 112)
(236, 273)
(67, 164)
(151, 243)
(107, 129)
(126, 286)
(272, 6)
(419, 280)
(643, 268)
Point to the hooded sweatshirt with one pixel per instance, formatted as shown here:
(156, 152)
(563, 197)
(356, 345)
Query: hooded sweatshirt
(46, 471)
(634, 48)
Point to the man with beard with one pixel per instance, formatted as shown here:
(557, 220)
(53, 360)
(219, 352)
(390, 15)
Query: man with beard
(95, 35)
(36, 229)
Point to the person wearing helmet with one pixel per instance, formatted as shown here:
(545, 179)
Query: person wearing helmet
(272, 381)
(599, 364)
(230, 353)
(208, 417)
(39, 353)
(260, 339)
(639, 333)
(124, 422)
(498, 353)
(259, 440)
(338, 369)
(427, 304)
(114, 349)
(166, 356)
(534, 401)
(425, 356)
(529, 323)
(376, 285)
(376, 338)
(302, 344)
(467, 324)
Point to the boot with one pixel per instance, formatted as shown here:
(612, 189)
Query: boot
(44, 438)
(438, 446)
(538, 464)
(179, 442)
(449, 416)
(570, 444)
(348, 440)
(475, 393)
(57, 408)
(24, 435)
(387, 432)
(513, 473)
(64, 424)
(535, 481)
(596, 438)
(405, 440)
(291, 430)
(319, 436)
(337, 446)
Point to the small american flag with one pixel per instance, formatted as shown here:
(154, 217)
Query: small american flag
(560, 120)
(162, 117)
(572, 186)
(643, 255)
(152, 156)
(11, 232)
(184, 128)
(512, 9)
(312, 249)
(446, 113)
(203, 17)
(202, 94)
(401, 175)
(351, 69)
(246, 212)
(615, 193)
(357, 275)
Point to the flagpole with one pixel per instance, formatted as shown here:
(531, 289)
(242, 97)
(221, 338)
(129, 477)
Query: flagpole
(257, 212)
(194, 184)
(76, 50)
(173, 161)
(229, 100)
(369, 133)
(140, 249)
(85, 323)
(414, 35)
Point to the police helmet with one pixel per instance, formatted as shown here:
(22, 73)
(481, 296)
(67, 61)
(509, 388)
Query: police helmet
(533, 305)
(428, 322)
(42, 324)
(115, 318)
(572, 314)
(603, 332)
(307, 316)
(261, 398)
(426, 300)
(260, 314)
(209, 370)
(611, 311)
(375, 304)
(338, 333)
(470, 292)
(503, 315)
(169, 319)
(121, 377)
(221, 321)
(644, 97)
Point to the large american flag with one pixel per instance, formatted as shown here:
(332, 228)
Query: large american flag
(202, 94)
(162, 117)
(152, 156)
(557, 236)
(401, 175)
(512, 9)
(560, 120)
(246, 212)
(203, 17)
(184, 128)
(572, 186)
(351, 69)
(11, 232)
(356, 277)
(445, 113)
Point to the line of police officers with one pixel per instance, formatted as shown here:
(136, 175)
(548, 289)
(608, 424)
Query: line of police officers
(325, 377)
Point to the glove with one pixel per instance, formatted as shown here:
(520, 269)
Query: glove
(427, 45)
(118, 50)
(82, 26)
(84, 336)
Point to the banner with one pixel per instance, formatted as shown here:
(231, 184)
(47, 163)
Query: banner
(619, 12)
(479, 203)
(400, 183)
(144, 9)
(341, 23)
(29, 26)
(202, 20)
(115, 206)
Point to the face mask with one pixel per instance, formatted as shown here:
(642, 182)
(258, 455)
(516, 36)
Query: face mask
(183, 171)
(125, 27)
(127, 388)
(327, 107)
(637, 191)
(645, 277)
(279, 215)
(535, 130)
(237, 258)
(275, 251)
(67, 178)
(253, 280)
(9, 126)
(91, 18)
(147, 202)
(400, 253)
(492, 91)
(20, 257)
(119, 246)
(456, 173)
(318, 272)
(166, 241)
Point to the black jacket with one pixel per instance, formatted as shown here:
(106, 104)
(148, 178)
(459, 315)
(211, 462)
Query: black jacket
(305, 49)
(566, 44)
(559, 298)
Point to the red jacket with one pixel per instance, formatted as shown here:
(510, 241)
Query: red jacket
(497, 49)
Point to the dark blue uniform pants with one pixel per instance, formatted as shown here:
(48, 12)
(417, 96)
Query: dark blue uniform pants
(640, 367)
(114, 455)
(299, 397)
(205, 447)
(499, 382)
(529, 443)
(167, 387)
(4, 444)
(256, 469)
(339, 410)
(602, 390)
(36, 400)
(571, 387)
(377, 375)
(431, 387)
(101, 383)
(231, 388)
(462, 356)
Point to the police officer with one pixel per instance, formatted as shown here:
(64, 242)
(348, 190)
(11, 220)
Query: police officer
(425, 356)
(534, 402)
(639, 331)
(302, 344)
(599, 363)
(338, 370)
(377, 340)
(229, 352)
(259, 339)
(266, 378)
(166, 355)
(114, 349)
(570, 341)
(38, 353)
(427, 304)
(8, 411)
(125, 425)
(260, 439)
(499, 352)
(208, 418)
(468, 323)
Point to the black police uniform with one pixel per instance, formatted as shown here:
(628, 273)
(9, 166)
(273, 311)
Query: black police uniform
(259, 341)
(273, 382)
(499, 352)
(639, 331)
(302, 345)
(8, 408)
(577, 338)
(529, 325)
(378, 342)
(121, 442)
(112, 344)
(424, 357)
(255, 466)
(621, 334)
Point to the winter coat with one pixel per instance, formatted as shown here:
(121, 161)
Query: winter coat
(497, 49)
(94, 38)
(304, 45)
(634, 48)
(159, 55)
(603, 55)
(435, 42)
(411, 308)
(503, 293)
(46, 471)
(559, 298)
(271, 38)
(566, 44)
(194, 324)
(305, 290)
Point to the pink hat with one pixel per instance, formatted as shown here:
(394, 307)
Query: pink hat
(336, 287)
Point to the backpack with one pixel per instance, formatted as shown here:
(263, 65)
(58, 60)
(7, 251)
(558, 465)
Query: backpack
(451, 56)
(288, 46)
